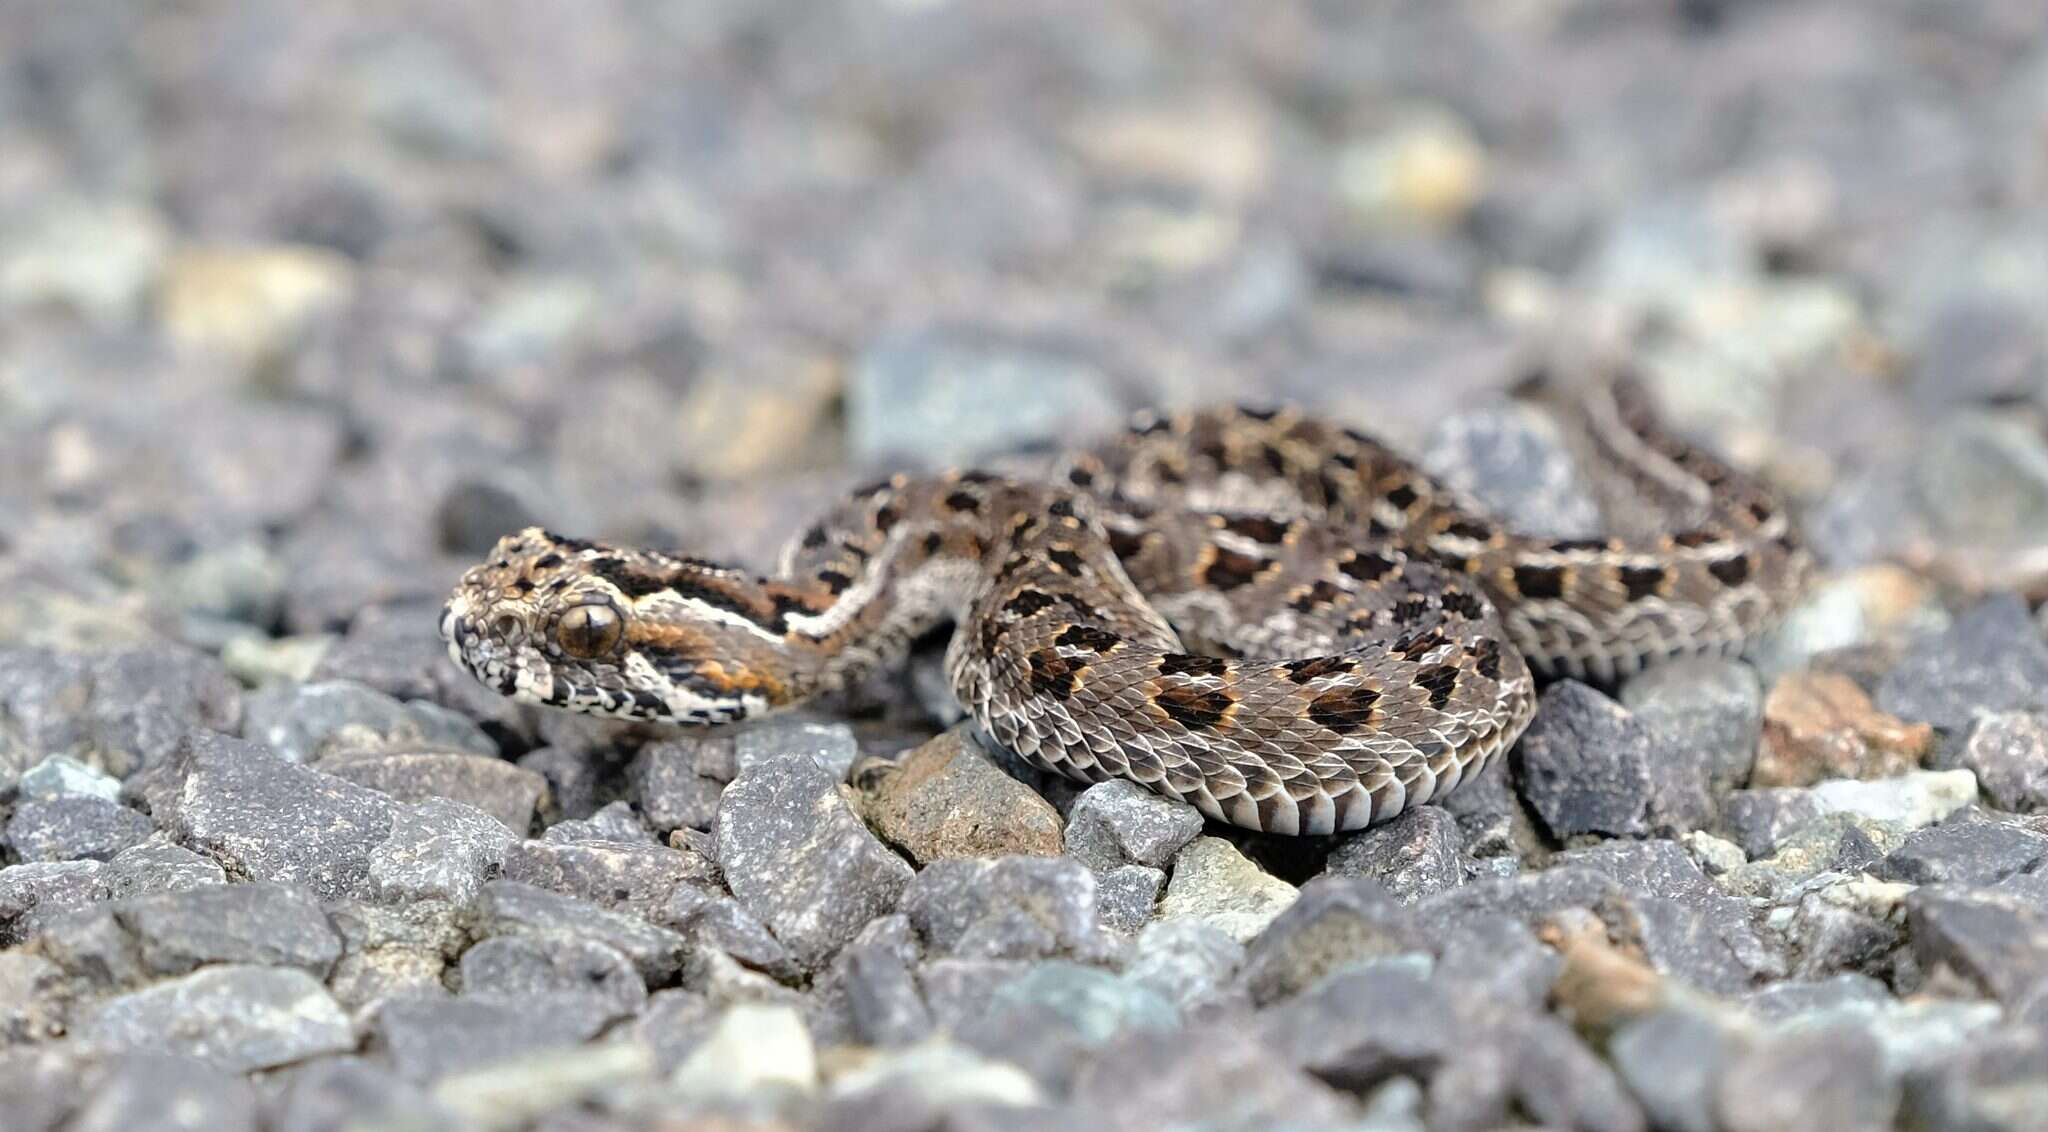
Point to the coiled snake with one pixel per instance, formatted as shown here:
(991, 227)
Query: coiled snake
(1273, 618)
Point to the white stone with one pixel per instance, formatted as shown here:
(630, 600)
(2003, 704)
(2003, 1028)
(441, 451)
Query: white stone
(1215, 884)
(755, 1046)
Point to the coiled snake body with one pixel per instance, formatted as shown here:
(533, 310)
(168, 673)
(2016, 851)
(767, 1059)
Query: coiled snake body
(1275, 619)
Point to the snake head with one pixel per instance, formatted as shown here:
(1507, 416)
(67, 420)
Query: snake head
(608, 631)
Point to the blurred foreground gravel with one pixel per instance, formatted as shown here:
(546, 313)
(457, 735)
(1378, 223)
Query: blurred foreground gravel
(302, 306)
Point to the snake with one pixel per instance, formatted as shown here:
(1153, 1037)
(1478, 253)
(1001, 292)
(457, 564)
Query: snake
(1275, 618)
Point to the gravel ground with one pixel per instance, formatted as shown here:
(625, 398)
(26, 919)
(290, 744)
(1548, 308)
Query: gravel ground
(302, 306)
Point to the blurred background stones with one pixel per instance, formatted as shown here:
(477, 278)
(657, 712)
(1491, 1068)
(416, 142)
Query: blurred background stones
(301, 307)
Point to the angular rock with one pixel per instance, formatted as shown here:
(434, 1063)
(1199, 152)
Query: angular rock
(34, 895)
(1995, 937)
(882, 994)
(237, 1018)
(120, 710)
(258, 924)
(1417, 854)
(1218, 1076)
(719, 921)
(438, 850)
(543, 974)
(432, 1038)
(1758, 819)
(145, 1090)
(1117, 822)
(948, 799)
(1127, 896)
(1820, 725)
(266, 819)
(2008, 752)
(795, 855)
(335, 1094)
(1337, 923)
(1966, 853)
(509, 908)
(59, 776)
(830, 745)
(1362, 1025)
(1057, 1017)
(1583, 765)
(75, 828)
(1190, 962)
(1844, 993)
(673, 792)
(301, 722)
(1704, 709)
(753, 1049)
(32, 1006)
(1831, 1078)
(1843, 843)
(640, 879)
(507, 792)
(1213, 883)
(1009, 908)
(1993, 658)
(159, 867)
(1840, 924)
(614, 824)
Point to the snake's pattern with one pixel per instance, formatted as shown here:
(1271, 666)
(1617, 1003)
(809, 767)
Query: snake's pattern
(1273, 618)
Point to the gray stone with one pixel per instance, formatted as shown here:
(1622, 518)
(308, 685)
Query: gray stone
(1364, 1024)
(1214, 883)
(1981, 346)
(1497, 962)
(1337, 923)
(1008, 908)
(1193, 964)
(1706, 711)
(75, 828)
(1058, 1016)
(508, 908)
(32, 1000)
(1126, 897)
(1210, 1076)
(1981, 478)
(266, 819)
(1687, 926)
(795, 855)
(1116, 822)
(614, 824)
(301, 722)
(882, 996)
(1418, 853)
(1512, 458)
(1825, 1078)
(60, 776)
(432, 1038)
(830, 745)
(1534, 1065)
(159, 867)
(336, 1094)
(948, 395)
(258, 924)
(238, 1018)
(173, 1094)
(1965, 852)
(1758, 820)
(1992, 658)
(33, 895)
(671, 790)
(503, 790)
(1671, 1059)
(2008, 752)
(1840, 843)
(438, 850)
(121, 710)
(1583, 765)
(714, 920)
(1996, 937)
(640, 879)
(543, 974)
(1795, 997)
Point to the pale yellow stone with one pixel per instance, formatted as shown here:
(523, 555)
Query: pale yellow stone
(249, 301)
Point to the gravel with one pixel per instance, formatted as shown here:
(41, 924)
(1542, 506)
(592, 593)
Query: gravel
(303, 307)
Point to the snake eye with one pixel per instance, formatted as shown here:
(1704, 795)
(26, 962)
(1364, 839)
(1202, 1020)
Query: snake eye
(589, 630)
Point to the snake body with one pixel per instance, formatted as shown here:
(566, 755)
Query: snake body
(1276, 619)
